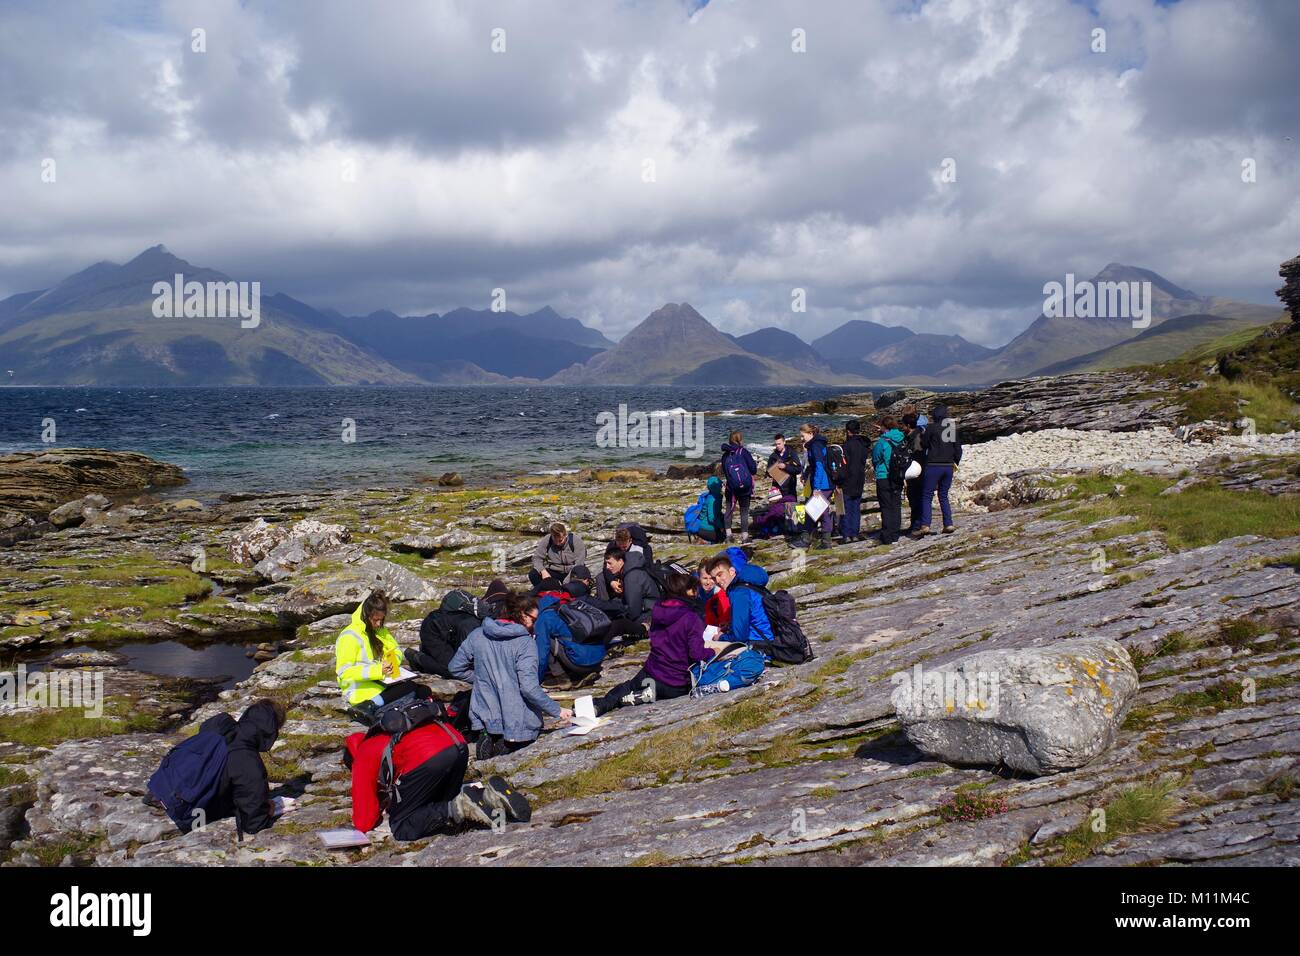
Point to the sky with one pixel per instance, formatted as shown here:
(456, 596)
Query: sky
(922, 162)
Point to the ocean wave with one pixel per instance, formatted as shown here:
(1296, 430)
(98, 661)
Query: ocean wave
(557, 471)
(668, 413)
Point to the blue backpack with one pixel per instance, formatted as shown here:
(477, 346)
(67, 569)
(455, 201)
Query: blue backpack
(738, 476)
(738, 670)
(190, 776)
(697, 515)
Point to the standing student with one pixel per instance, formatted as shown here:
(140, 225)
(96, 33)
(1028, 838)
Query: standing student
(739, 469)
(942, 456)
(857, 452)
(788, 460)
(676, 642)
(817, 476)
(914, 441)
(367, 662)
(888, 494)
(427, 792)
(555, 557)
(507, 705)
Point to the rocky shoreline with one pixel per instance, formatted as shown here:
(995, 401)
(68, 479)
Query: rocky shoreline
(1064, 534)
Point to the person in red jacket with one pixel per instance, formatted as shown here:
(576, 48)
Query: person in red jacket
(429, 793)
(717, 606)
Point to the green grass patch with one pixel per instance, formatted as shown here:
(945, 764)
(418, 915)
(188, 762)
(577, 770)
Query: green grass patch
(51, 726)
(1141, 809)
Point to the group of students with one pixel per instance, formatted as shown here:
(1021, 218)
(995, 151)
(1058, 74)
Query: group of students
(914, 457)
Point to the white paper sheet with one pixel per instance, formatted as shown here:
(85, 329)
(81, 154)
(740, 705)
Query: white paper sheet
(815, 507)
(340, 839)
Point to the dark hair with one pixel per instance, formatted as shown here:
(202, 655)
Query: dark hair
(718, 561)
(853, 426)
(679, 585)
(623, 535)
(614, 551)
(376, 601)
(910, 419)
(888, 422)
(277, 710)
(517, 604)
(778, 437)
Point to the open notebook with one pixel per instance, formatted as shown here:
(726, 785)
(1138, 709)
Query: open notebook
(584, 719)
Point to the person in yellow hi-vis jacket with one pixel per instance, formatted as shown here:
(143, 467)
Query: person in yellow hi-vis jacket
(367, 661)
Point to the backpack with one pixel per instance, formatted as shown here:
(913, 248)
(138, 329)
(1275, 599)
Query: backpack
(457, 601)
(789, 644)
(695, 515)
(835, 464)
(737, 669)
(900, 457)
(398, 719)
(190, 776)
(660, 570)
(588, 623)
(738, 477)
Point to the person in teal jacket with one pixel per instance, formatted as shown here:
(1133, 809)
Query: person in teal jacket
(889, 497)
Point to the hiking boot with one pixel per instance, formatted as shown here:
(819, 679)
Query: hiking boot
(823, 543)
(949, 529)
(922, 531)
(471, 806)
(501, 796)
(646, 695)
(802, 542)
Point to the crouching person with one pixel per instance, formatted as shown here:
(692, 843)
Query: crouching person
(508, 705)
(676, 642)
(218, 773)
(421, 783)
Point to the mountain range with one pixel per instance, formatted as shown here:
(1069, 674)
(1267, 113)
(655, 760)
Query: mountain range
(97, 327)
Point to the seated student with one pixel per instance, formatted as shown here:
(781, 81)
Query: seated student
(555, 558)
(367, 662)
(748, 618)
(507, 705)
(428, 792)
(676, 642)
(717, 607)
(242, 790)
(713, 527)
(771, 521)
(631, 538)
(559, 655)
(626, 579)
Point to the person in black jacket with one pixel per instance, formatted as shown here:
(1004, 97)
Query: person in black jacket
(857, 453)
(942, 456)
(914, 440)
(788, 459)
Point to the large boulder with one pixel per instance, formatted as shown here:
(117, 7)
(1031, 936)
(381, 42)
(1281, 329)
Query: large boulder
(1038, 710)
(36, 482)
(305, 541)
(340, 590)
(75, 512)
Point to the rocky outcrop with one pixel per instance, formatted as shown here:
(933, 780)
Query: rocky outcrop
(1290, 291)
(339, 589)
(1037, 710)
(36, 482)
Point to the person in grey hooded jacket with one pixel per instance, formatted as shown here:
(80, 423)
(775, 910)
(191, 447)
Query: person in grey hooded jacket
(508, 705)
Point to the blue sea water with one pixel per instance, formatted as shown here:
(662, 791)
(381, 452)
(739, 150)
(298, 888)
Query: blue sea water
(275, 439)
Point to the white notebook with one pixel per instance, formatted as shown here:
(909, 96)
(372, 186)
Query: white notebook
(342, 839)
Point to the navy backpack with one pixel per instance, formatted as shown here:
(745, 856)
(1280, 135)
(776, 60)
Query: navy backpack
(190, 777)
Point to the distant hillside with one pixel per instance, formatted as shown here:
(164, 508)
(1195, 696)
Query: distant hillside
(1053, 342)
(785, 347)
(673, 344)
(97, 327)
(1170, 339)
(926, 353)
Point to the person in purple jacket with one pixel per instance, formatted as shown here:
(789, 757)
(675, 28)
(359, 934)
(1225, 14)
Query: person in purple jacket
(676, 642)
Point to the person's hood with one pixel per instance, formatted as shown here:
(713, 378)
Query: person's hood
(815, 440)
(547, 601)
(495, 630)
(256, 729)
(893, 435)
(357, 620)
(633, 560)
(940, 412)
(714, 483)
(737, 555)
(669, 611)
(576, 587)
(752, 574)
(730, 447)
(222, 724)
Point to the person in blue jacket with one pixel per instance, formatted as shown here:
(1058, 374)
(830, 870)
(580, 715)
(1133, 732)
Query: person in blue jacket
(817, 475)
(889, 496)
(749, 621)
(559, 656)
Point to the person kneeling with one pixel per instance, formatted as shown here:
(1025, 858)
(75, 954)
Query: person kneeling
(422, 783)
(676, 642)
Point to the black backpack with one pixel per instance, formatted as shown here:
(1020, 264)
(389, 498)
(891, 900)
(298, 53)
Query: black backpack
(789, 644)
(900, 459)
(458, 601)
(398, 719)
(441, 633)
(835, 464)
(587, 623)
(660, 570)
